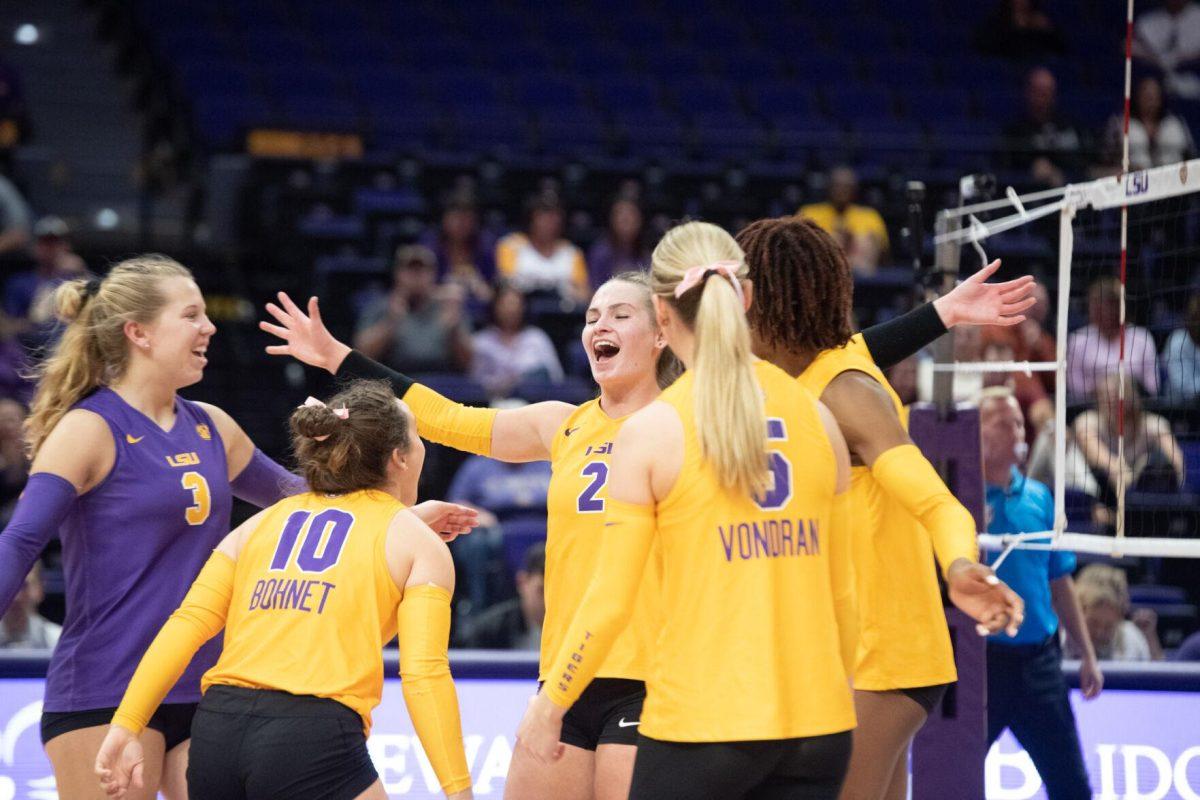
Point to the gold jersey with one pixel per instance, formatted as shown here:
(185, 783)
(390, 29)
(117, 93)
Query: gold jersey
(748, 647)
(575, 506)
(903, 638)
(313, 601)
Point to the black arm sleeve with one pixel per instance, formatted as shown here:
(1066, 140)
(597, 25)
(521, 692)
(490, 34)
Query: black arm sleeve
(356, 365)
(895, 340)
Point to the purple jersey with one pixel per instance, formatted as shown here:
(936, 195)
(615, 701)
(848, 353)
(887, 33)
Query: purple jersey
(132, 547)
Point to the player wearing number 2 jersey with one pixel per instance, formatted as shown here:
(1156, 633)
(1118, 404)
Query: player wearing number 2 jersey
(308, 591)
(138, 483)
(748, 695)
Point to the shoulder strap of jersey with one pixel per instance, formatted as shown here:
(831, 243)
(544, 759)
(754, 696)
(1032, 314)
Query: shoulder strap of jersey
(833, 362)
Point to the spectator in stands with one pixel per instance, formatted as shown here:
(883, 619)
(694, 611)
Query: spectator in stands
(1153, 459)
(29, 295)
(1020, 30)
(14, 362)
(1168, 38)
(1026, 690)
(514, 624)
(464, 254)
(1156, 135)
(14, 466)
(903, 378)
(1190, 649)
(1029, 339)
(509, 350)
(859, 229)
(14, 218)
(1181, 356)
(540, 259)
(1104, 595)
(1043, 142)
(1093, 351)
(14, 116)
(418, 326)
(622, 248)
(1030, 395)
(496, 489)
(22, 627)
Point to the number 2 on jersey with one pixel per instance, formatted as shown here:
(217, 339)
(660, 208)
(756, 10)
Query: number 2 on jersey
(587, 502)
(197, 513)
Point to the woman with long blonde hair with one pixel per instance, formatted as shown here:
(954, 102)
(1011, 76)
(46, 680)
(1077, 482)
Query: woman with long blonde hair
(138, 484)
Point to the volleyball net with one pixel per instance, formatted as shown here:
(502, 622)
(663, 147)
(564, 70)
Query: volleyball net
(1107, 378)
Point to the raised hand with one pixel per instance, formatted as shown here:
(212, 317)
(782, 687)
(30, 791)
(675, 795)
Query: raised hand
(308, 340)
(975, 302)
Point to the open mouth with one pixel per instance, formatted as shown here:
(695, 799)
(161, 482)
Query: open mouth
(605, 350)
(201, 353)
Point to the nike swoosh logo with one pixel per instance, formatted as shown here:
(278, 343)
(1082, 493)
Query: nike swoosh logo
(569, 431)
(621, 723)
(129, 437)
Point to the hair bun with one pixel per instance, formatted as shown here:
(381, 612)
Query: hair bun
(314, 422)
(69, 299)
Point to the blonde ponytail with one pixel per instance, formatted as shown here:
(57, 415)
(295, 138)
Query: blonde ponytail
(93, 350)
(730, 421)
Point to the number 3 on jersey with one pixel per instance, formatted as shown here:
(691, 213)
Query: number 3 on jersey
(780, 492)
(197, 513)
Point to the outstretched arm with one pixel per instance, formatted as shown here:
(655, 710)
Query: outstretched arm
(521, 434)
(972, 302)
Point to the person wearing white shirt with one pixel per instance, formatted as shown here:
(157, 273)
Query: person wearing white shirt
(1094, 350)
(1169, 38)
(22, 628)
(1181, 356)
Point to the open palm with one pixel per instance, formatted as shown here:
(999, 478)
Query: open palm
(308, 340)
(976, 302)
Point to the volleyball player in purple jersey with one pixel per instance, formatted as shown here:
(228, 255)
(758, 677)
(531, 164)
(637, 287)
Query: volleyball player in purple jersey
(138, 483)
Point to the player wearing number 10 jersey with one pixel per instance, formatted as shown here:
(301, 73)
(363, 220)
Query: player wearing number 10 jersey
(308, 591)
(138, 484)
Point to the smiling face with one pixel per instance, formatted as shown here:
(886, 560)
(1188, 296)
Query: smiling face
(176, 341)
(619, 334)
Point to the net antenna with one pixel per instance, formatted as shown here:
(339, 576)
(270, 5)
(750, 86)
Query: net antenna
(1129, 189)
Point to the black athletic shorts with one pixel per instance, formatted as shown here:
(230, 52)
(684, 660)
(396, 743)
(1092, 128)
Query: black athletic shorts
(811, 768)
(608, 712)
(172, 720)
(927, 697)
(256, 744)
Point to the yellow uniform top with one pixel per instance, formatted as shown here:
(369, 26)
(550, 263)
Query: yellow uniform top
(575, 505)
(748, 647)
(903, 638)
(313, 601)
(854, 220)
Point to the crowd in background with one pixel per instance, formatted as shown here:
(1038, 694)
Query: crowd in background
(461, 295)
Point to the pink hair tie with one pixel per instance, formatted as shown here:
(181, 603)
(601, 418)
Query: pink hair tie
(697, 275)
(342, 413)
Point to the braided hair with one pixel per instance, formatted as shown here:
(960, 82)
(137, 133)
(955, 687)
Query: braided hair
(803, 288)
